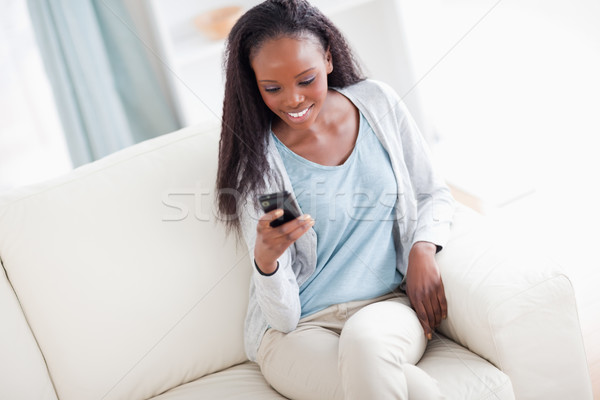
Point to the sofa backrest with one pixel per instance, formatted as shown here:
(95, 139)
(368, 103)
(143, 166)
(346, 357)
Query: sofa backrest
(127, 281)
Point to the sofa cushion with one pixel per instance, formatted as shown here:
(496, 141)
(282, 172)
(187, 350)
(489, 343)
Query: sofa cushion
(128, 284)
(23, 373)
(241, 382)
(460, 373)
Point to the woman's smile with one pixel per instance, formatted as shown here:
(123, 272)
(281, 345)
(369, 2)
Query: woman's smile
(300, 116)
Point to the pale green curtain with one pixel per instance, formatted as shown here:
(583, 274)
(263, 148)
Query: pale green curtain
(107, 93)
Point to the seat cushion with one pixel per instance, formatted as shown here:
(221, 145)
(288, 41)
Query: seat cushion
(462, 375)
(241, 382)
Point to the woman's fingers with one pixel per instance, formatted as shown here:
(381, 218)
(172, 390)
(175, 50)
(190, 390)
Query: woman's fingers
(265, 221)
(439, 306)
(271, 242)
(424, 286)
(441, 294)
(423, 318)
(429, 309)
(292, 230)
(432, 309)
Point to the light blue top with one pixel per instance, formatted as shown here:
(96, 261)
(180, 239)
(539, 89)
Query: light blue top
(353, 208)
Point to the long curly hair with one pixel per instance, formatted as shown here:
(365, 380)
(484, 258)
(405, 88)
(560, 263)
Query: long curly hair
(243, 162)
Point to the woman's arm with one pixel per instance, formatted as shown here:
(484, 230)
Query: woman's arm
(435, 208)
(435, 205)
(276, 288)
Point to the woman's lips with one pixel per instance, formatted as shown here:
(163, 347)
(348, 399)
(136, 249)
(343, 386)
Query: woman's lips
(300, 116)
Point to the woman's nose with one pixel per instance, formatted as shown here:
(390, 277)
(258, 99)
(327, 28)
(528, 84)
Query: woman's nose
(295, 99)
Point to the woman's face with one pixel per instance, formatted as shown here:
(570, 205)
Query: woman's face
(292, 78)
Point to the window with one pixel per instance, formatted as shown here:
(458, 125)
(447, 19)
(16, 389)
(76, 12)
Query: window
(32, 143)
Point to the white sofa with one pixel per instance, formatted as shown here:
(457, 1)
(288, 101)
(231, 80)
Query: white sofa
(118, 283)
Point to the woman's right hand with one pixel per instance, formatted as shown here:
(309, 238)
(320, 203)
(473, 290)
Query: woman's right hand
(271, 242)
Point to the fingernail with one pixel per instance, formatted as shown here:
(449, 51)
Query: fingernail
(429, 336)
(305, 217)
(279, 213)
(444, 316)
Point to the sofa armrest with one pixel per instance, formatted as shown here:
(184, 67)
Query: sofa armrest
(515, 308)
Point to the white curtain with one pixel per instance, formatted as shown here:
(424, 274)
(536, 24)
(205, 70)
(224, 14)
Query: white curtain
(32, 145)
(107, 93)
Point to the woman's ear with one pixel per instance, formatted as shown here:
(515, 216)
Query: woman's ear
(328, 61)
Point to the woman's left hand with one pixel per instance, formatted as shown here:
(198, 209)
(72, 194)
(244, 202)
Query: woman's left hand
(424, 287)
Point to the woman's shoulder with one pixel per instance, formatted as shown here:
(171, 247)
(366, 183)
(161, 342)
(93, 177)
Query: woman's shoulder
(370, 88)
(375, 98)
(371, 94)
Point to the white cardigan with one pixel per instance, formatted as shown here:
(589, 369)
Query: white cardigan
(424, 211)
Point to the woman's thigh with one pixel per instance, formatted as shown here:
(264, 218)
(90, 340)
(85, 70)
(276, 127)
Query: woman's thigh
(377, 346)
(302, 364)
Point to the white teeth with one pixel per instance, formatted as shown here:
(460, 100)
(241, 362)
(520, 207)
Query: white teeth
(300, 114)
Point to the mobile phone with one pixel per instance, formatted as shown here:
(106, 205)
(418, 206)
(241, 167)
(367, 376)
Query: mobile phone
(283, 200)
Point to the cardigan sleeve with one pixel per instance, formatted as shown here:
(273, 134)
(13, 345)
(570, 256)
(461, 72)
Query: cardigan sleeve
(435, 205)
(277, 294)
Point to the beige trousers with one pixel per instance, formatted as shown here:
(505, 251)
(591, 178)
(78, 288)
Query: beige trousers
(357, 350)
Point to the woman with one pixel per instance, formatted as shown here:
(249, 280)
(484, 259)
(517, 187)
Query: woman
(341, 305)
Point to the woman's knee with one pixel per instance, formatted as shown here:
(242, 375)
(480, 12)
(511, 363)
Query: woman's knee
(366, 349)
(387, 331)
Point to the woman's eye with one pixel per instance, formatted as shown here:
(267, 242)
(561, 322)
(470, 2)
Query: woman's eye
(307, 82)
(271, 89)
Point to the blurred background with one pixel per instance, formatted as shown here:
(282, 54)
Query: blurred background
(506, 92)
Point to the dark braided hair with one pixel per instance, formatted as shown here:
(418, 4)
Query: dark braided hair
(245, 127)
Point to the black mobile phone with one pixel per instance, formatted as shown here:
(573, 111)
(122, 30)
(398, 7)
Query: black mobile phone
(283, 200)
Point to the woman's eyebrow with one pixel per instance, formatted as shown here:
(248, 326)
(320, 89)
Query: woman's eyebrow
(301, 73)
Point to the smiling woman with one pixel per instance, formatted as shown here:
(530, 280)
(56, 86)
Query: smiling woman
(311, 117)
(296, 112)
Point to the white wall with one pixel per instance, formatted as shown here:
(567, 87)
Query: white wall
(518, 101)
(517, 98)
